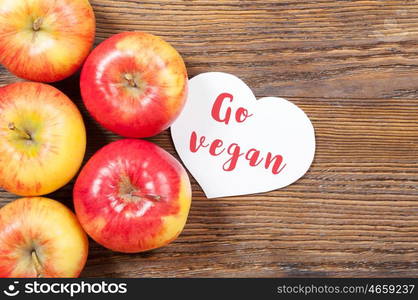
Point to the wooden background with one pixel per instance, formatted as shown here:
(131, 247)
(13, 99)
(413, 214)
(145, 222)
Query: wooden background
(353, 67)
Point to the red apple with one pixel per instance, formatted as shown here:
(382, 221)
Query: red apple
(134, 84)
(40, 237)
(45, 40)
(132, 196)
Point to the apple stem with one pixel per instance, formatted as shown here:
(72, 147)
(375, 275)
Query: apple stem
(130, 79)
(148, 197)
(37, 264)
(36, 25)
(22, 133)
(153, 197)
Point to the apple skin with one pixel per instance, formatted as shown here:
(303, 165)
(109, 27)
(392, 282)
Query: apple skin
(40, 237)
(45, 40)
(134, 84)
(132, 196)
(42, 139)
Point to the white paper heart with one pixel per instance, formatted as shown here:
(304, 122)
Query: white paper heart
(268, 125)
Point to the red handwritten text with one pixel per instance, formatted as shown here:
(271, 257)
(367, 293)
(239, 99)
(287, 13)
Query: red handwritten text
(233, 151)
(240, 115)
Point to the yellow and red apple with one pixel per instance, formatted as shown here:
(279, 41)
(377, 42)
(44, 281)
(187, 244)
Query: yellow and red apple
(40, 237)
(134, 84)
(42, 139)
(45, 40)
(132, 196)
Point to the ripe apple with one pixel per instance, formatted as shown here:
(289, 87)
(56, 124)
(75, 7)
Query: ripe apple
(40, 237)
(134, 84)
(132, 196)
(42, 139)
(45, 40)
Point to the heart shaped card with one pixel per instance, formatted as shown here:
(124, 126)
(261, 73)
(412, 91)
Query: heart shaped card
(234, 144)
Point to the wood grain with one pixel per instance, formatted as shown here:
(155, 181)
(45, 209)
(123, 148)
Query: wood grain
(353, 67)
